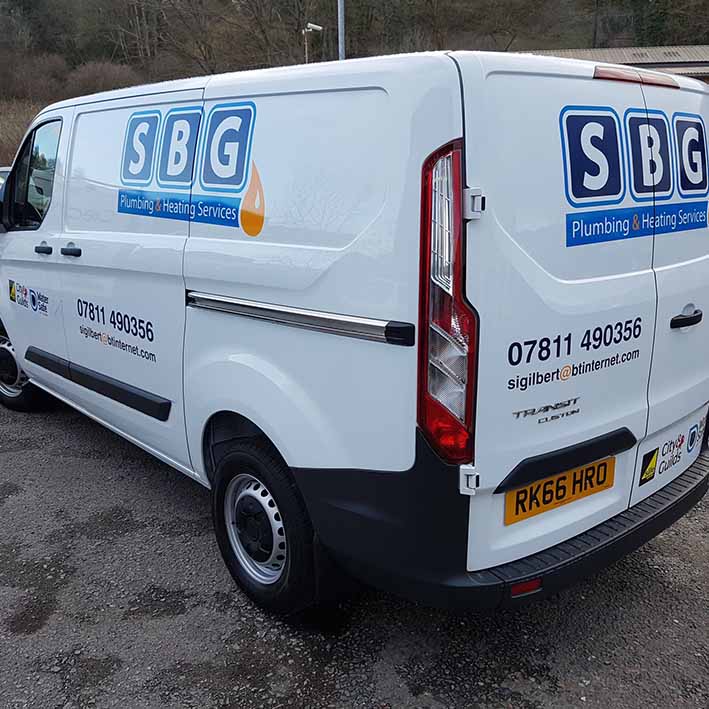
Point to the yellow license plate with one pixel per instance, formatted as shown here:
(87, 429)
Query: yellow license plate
(558, 490)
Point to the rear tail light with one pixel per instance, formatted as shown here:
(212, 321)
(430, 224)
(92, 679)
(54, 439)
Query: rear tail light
(448, 326)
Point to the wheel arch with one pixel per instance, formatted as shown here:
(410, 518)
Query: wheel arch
(251, 395)
(221, 429)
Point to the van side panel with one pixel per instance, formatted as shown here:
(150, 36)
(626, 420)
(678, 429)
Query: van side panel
(336, 153)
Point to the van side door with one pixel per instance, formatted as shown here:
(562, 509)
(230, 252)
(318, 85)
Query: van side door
(30, 252)
(127, 217)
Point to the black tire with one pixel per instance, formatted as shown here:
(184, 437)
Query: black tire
(16, 392)
(297, 586)
(31, 398)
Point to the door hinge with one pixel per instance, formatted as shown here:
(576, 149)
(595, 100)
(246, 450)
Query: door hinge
(473, 203)
(469, 480)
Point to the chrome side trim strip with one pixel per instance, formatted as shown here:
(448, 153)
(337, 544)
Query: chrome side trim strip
(393, 332)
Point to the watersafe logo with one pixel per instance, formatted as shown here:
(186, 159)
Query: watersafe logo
(39, 302)
(163, 155)
(654, 159)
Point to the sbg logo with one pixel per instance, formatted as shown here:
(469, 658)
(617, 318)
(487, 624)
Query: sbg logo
(166, 149)
(657, 154)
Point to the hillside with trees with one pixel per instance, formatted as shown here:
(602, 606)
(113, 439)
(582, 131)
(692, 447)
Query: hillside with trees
(52, 49)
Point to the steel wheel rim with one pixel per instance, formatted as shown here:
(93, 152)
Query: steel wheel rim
(255, 529)
(12, 389)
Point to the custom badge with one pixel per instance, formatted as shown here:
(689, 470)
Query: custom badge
(13, 293)
(649, 466)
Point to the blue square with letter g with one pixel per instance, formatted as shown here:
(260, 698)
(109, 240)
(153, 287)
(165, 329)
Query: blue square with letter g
(692, 155)
(227, 147)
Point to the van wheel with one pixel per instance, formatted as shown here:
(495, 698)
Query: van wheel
(263, 528)
(16, 392)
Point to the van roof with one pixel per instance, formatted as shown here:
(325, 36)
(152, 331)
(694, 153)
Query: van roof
(162, 87)
(201, 82)
(490, 60)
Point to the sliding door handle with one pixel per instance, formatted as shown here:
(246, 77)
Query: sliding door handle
(71, 250)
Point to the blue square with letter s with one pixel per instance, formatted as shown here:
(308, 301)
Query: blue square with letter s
(227, 147)
(139, 148)
(592, 151)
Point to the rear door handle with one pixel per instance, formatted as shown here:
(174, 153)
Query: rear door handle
(686, 320)
(43, 248)
(71, 250)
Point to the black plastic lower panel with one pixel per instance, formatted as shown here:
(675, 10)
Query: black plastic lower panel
(407, 532)
(402, 526)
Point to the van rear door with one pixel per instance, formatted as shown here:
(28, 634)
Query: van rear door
(566, 301)
(669, 163)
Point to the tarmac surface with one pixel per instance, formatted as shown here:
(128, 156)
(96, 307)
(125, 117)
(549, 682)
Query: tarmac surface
(113, 594)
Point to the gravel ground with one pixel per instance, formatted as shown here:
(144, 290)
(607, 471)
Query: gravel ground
(113, 594)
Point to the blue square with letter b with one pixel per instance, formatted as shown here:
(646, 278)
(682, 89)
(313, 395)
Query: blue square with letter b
(178, 147)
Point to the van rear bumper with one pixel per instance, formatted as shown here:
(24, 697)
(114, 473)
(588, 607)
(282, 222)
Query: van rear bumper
(406, 532)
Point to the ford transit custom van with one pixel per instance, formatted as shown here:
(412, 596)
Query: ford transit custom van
(435, 320)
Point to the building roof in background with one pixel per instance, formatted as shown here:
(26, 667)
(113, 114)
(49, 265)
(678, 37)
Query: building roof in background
(690, 60)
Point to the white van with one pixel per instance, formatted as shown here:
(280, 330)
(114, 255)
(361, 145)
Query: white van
(432, 319)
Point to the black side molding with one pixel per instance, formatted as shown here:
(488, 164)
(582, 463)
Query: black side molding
(138, 399)
(542, 466)
(400, 333)
(48, 361)
(147, 403)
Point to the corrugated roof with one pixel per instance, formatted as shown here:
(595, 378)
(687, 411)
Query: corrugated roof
(664, 56)
(686, 70)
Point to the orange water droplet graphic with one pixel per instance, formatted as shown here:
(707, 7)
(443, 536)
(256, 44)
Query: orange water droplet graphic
(253, 206)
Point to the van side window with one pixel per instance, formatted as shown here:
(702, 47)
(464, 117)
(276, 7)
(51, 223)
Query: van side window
(34, 177)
